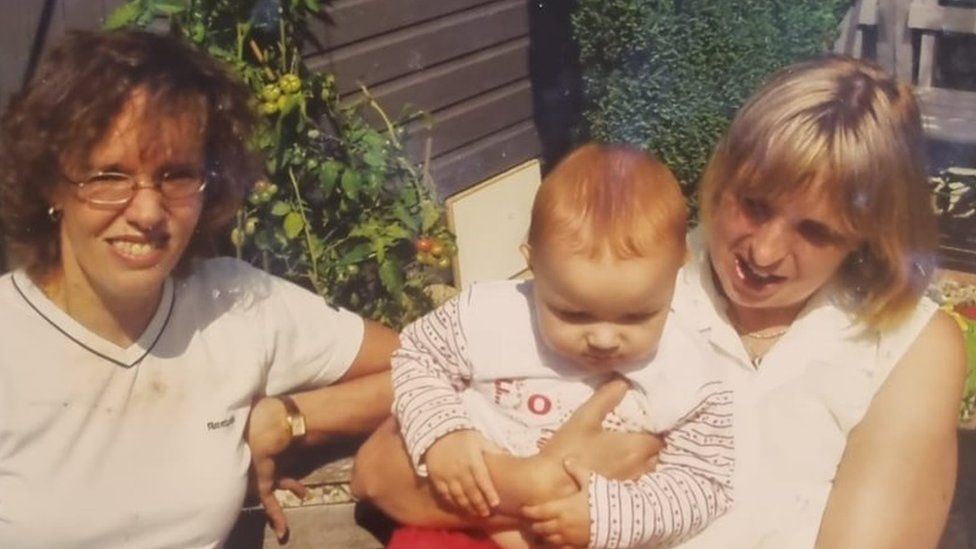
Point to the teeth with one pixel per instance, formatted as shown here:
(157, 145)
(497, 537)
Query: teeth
(747, 272)
(135, 249)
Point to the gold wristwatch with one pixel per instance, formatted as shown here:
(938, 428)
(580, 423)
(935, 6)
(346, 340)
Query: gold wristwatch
(295, 418)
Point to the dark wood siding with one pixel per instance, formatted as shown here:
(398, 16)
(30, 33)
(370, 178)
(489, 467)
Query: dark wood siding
(44, 21)
(464, 62)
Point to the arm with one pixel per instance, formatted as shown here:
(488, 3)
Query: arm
(429, 372)
(356, 404)
(690, 487)
(384, 474)
(894, 484)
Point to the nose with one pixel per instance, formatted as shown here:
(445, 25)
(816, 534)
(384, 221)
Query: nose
(769, 244)
(602, 339)
(146, 209)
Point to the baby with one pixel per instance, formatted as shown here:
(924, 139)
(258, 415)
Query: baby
(505, 363)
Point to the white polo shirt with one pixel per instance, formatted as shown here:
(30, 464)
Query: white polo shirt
(142, 447)
(793, 413)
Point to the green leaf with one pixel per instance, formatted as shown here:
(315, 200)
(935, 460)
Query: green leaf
(328, 175)
(169, 7)
(123, 16)
(374, 159)
(293, 224)
(313, 6)
(280, 208)
(397, 232)
(360, 252)
(430, 216)
(391, 277)
(350, 183)
(401, 213)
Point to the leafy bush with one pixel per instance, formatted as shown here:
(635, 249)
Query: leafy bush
(668, 75)
(343, 210)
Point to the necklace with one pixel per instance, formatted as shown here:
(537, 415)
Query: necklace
(770, 335)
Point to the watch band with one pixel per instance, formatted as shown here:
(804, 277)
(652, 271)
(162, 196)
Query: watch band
(295, 418)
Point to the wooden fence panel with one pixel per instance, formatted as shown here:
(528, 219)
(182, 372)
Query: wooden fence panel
(464, 62)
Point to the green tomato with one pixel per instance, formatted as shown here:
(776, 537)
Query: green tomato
(444, 262)
(268, 108)
(250, 225)
(290, 83)
(270, 93)
(272, 190)
(236, 238)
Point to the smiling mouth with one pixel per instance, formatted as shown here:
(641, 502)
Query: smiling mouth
(752, 277)
(136, 249)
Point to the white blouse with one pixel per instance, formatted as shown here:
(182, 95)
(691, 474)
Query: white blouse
(794, 412)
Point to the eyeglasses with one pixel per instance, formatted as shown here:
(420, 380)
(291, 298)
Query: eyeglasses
(115, 190)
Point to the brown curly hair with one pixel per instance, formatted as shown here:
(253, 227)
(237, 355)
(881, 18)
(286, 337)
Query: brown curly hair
(70, 103)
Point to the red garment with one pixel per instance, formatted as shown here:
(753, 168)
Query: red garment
(412, 537)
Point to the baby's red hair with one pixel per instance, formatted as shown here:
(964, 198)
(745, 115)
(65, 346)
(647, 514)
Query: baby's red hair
(610, 199)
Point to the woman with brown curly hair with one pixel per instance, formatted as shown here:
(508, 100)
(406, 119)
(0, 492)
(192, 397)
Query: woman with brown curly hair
(130, 362)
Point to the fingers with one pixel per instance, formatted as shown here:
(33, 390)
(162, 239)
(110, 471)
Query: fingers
(293, 486)
(465, 498)
(275, 514)
(485, 486)
(550, 533)
(603, 401)
(541, 513)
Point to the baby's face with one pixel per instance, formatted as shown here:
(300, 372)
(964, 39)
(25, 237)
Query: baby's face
(602, 313)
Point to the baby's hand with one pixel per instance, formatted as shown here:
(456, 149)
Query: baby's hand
(566, 521)
(457, 470)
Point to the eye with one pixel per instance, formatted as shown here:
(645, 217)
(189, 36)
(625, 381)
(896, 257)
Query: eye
(637, 318)
(572, 317)
(754, 208)
(180, 175)
(817, 234)
(107, 178)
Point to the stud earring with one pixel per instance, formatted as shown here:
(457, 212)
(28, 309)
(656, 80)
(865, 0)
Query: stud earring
(54, 214)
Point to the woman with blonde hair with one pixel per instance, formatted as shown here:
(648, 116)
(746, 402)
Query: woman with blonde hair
(818, 241)
(806, 280)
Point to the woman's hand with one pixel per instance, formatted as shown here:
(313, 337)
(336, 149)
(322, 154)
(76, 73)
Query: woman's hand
(268, 435)
(565, 521)
(615, 455)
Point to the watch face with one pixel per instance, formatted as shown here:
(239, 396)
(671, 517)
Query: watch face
(297, 425)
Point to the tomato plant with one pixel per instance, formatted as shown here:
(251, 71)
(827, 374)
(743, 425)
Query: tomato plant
(343, 207)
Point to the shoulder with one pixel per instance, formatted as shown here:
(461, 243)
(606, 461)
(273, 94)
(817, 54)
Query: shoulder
(926, 382)
(225, 271)
(232, 285)
(938, 348)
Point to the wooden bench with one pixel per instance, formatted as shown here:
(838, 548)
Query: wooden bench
(861, 19)
(948, 115)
